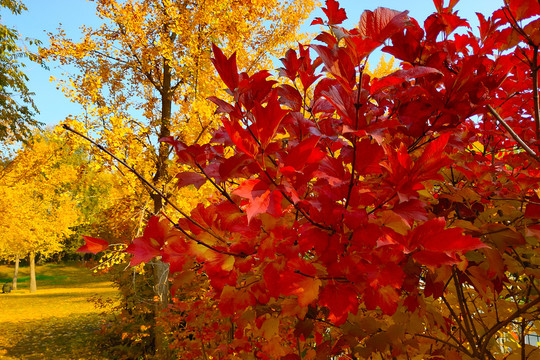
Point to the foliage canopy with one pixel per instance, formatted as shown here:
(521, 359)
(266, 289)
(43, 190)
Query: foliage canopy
(17, 108)
(358, 217)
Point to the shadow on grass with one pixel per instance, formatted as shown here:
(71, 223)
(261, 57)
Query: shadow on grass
(74, 337)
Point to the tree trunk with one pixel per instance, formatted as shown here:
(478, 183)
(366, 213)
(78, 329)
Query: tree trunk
(161, 269)
(33, 285)
(16, 272)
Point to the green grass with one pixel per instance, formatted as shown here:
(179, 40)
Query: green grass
(59, 321)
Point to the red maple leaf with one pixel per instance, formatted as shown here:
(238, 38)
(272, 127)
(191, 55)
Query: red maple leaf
(186, 178)
(439, 245)
(93, 245)
(382, 23)
(268, 119)
(334, 13)
(261, 198)
(149, 245)
(341, 299)
(523, 9)
(226, 68)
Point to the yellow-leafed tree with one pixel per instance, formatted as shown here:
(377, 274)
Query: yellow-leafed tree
(37, 207)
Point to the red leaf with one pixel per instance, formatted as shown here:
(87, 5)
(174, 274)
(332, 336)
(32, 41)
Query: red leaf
(533, 208)
(340, 300)
(439, 5)
(533, 31)
(267, 119)
(432, 160)
(190, 178)
(254, 89)
(334, 13)
(175, 254)
(290, 97)
(223, 106)
(149, 245)
(261, 198)
(524, 9)
(533, 230)
(291, 63)
(332, 170)
(342, 101)
(226, 68)
(142, 251)
(233, 300)
(380, 84)
(434, 238)
(93, 245)
(362, 46)
(304, 153)
(382, 23)
(401, 76)
(386, 298)
(250, 189)
(240, 137)
(317, 21)
(436, 259)
(411, 211)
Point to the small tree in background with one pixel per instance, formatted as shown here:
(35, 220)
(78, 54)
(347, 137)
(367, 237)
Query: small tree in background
(38, 206)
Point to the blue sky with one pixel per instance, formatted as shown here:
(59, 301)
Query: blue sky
(45, 16)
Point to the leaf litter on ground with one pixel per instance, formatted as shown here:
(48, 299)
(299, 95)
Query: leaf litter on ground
(60, 321)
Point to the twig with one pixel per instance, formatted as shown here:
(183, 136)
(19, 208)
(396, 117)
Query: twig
(159, 193)
(534, 70)
(487, 336)
(512, 133)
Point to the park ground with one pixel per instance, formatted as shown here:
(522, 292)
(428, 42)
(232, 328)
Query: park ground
(60, 321)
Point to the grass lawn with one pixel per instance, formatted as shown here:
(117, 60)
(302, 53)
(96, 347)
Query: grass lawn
(57, 322)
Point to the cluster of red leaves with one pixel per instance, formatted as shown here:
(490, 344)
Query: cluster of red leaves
(340, 193)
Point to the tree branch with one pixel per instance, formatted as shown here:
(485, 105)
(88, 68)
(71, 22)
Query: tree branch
(487, 336)
(512, 133)
(534, 70)
(457, 347)
(159, 193)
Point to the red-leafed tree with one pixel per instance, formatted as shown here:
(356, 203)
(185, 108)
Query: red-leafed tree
(357, 217)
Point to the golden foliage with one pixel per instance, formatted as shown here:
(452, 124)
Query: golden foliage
(146, 74)
(37, 207)
(383, 68)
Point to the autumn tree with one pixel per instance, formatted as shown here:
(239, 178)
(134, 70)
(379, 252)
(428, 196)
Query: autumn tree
(146, 72)
(38, 207)
(17, 108)
(392, 217)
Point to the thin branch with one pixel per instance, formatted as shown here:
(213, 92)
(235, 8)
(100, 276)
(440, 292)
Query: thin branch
(457, 347)
(147, 183)
(534, 69)
(487, 336)
(512, 133)
(469, 333)
(465, 312)
(355, 138)
(457, 319)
